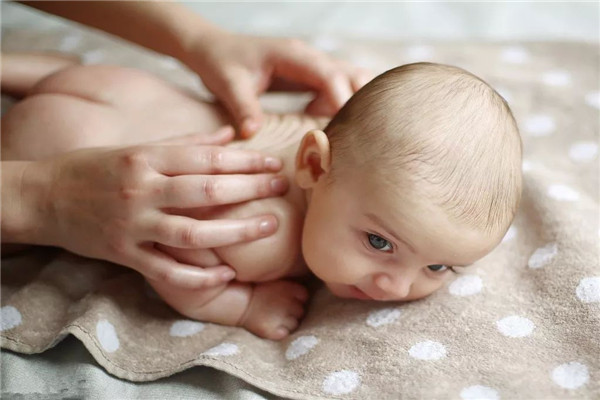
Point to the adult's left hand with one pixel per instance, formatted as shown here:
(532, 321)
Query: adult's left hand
(238, 68)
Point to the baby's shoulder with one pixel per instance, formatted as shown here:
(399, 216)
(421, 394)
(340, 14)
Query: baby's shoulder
(272, 257)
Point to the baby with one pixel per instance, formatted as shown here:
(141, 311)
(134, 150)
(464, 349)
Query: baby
(418, 174)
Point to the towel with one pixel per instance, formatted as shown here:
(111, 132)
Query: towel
(522, 323)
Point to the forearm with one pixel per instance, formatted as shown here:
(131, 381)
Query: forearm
(165, 27)
(23, 189)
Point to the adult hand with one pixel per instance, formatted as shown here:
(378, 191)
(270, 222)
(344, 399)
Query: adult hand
(112, 203)
(237, 68)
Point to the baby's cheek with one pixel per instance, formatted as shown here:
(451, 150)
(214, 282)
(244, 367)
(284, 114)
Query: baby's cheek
(423, 289)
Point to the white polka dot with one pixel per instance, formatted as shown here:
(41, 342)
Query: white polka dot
(428, 350)
(593, 99)
(515, 326)
(341, 382)
(10, 317)
(419, 53)
(543, 255)
(583, 151)
(93, 56)
(326, 43)
(539, 125)
(505, 93)
(185, 328)
(556, 78)
(300, 346)
(466, 285)
(479, 392)
(562, 193)
(69, 43)
(383, 317)
(570, 375)
(588, 290)
(107, 336)
(223, 349)
(515, 55)
(510, 234)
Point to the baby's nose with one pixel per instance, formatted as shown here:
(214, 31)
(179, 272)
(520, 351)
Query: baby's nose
(394, 287)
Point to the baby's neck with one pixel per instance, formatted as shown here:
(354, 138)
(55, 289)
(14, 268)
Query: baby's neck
(280, 136)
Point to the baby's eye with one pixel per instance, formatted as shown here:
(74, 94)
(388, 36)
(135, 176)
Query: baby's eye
(438, 267)
(379, 243)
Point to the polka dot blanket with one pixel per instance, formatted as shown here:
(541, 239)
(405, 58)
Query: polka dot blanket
(523, 323)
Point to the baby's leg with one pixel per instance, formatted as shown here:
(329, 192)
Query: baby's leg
(94, 106)
(271, 310)
(21, 71)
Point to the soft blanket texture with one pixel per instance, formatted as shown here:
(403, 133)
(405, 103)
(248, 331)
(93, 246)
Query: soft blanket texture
(522, 323)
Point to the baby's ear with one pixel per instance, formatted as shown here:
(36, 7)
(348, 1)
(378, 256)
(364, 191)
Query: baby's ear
(313, 158)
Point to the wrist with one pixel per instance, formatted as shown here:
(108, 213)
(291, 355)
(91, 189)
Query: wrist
(24, 191)
(192, 36)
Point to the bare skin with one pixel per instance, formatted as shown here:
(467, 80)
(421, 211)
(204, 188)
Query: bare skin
(94, 106)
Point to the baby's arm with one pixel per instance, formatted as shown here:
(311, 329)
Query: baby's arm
(271, 310)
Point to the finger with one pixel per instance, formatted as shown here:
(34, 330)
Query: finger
(318, 72)
(320, 106)
(160, 267)
(187, 191)
(239, 93)
(220, 137)
(201, 257)
(182, 160)
(188, 233)
(360, 77)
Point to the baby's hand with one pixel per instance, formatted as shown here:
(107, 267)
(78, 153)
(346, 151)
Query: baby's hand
(275, 309)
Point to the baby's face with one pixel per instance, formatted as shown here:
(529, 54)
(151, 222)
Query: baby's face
(369, 240)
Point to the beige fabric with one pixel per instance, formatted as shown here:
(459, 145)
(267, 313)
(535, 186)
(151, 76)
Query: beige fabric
(523, 323)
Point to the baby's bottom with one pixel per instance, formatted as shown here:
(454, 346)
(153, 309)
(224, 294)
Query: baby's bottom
(94, 106)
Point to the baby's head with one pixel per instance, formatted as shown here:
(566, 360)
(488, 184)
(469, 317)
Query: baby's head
(418, 173)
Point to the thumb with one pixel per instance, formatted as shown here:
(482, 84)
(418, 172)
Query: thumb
(221, 136)
(239, 94)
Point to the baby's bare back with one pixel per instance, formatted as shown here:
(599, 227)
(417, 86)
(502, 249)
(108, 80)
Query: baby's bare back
(94, 106)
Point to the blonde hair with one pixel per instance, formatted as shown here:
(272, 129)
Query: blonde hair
(446, 128)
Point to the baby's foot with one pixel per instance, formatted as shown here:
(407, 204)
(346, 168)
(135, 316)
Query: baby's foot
(275, 309)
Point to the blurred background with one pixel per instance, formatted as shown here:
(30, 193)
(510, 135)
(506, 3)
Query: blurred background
(411, 21)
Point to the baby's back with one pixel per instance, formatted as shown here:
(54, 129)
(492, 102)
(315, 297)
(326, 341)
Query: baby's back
(279, 255)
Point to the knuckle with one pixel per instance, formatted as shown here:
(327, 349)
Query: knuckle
(133, 158)
(209, 190)
(127, 193)
(118, 244)
(215, 160)
(188, 236)
(161, 275)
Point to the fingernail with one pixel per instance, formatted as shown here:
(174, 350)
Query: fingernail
(273, 163)
(279, 184)
(267, 226)
(227, 275)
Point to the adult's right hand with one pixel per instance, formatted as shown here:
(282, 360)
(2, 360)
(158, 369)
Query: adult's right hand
(113, 204)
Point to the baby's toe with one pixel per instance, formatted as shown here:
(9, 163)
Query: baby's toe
(300, 293)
